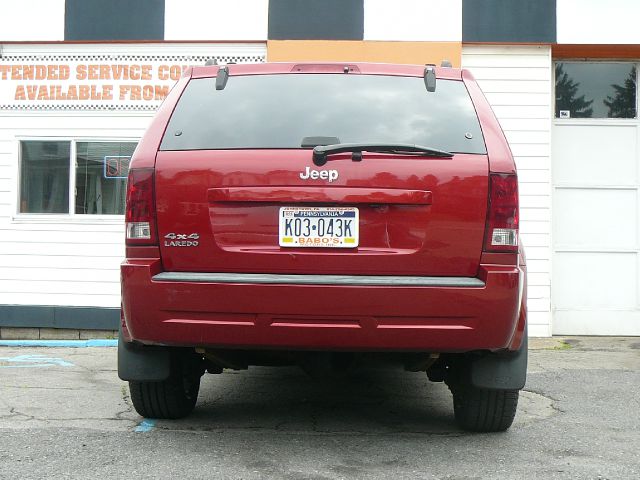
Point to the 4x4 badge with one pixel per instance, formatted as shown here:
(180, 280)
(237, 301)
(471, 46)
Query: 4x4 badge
(181, 239)
(309, 173)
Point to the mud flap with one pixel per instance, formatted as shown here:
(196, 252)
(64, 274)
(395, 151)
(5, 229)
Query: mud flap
(501, 372)
(150, 364)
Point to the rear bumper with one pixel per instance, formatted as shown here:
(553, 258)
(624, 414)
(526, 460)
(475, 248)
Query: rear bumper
(310, 312)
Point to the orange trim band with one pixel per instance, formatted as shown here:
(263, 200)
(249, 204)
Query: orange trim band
(596, 51)
(364, 51)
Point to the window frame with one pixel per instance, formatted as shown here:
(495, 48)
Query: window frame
(71, 216)
(595, 120)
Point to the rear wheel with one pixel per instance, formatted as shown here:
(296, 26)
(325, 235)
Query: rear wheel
(172, 398)
(484, 410)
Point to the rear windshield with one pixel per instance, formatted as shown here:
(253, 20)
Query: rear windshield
(278, 111)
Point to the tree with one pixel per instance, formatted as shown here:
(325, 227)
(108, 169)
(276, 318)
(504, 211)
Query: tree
(566, 90)
(623, 103)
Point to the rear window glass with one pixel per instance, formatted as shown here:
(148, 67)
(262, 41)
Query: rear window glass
(278, 111)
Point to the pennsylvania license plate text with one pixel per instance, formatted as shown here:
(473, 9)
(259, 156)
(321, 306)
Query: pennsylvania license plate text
(329, 227)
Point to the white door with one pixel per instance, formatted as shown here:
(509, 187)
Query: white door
(596, 202)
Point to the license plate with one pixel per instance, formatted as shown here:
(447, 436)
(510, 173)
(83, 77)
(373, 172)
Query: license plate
(326, 227)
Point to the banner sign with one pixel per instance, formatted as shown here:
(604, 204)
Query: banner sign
(102, 81)
(77, 84)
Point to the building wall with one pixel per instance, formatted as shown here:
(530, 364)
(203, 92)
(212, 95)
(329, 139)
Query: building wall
(594, 22)
(32, 21)
(235, 20)
(56, 259)
(509, 45)
(55, 263)
(596, 184)
(77, 264)
(517, 81)
(365, 31)
(364, 51)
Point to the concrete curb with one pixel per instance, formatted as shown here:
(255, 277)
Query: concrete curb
(60, 343)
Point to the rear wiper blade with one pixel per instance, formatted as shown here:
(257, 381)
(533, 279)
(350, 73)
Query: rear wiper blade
(321, 152)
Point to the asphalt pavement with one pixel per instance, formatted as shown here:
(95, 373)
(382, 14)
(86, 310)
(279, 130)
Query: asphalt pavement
(65, 414)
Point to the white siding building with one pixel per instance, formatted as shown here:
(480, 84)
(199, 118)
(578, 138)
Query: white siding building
(564, 92)
(518, 83)
(59, 265)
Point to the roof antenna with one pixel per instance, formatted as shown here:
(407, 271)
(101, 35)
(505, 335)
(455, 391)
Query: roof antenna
(430, 77)
(210, 61)
(446, 63)
(222, 77)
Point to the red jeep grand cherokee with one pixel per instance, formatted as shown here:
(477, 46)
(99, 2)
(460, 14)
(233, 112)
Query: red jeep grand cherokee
(323, 214)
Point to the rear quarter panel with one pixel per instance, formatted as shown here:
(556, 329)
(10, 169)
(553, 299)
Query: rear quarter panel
(500, 156)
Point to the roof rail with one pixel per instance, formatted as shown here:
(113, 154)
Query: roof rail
(222, 77)
(430, 77)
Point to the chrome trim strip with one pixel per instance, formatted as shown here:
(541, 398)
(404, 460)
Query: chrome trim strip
(352, 280)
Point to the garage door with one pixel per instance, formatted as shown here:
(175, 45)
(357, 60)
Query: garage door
(596, 200)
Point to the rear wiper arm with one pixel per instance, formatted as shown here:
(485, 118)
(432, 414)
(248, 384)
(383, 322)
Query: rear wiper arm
(321, 152)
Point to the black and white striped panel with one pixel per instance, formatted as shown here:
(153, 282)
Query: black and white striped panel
(469, 21)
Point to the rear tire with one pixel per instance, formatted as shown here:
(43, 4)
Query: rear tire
(484, 410)
(172, 398)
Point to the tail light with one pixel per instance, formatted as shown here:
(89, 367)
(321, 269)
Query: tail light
(140, 214)
(502, 218)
